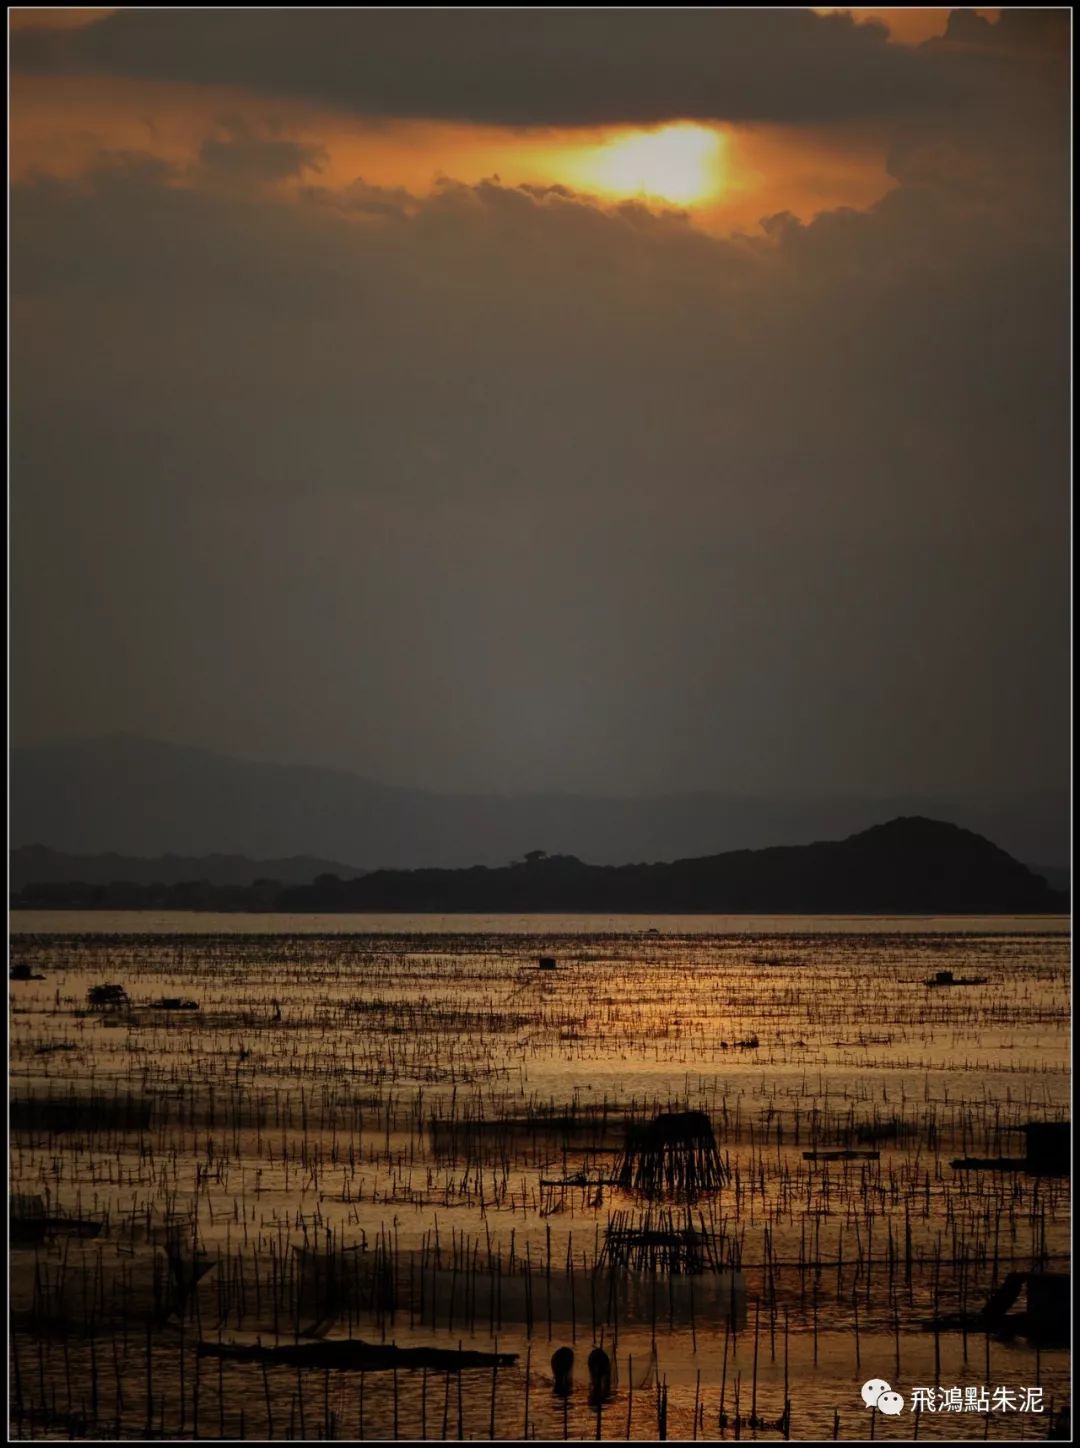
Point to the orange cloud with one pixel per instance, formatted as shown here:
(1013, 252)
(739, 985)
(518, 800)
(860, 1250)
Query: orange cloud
(59, 18)
(908, 25)
(729, 177)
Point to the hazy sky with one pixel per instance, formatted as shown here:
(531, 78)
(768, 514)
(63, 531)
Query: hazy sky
(616, 401)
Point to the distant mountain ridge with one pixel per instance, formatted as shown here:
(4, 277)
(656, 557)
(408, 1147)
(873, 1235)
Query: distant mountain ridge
(907, 866)
(39, 865)
(904, 866)
(139, 797)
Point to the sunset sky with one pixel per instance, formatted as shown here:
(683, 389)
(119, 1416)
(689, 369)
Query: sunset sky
(618, 401)
(729, 170)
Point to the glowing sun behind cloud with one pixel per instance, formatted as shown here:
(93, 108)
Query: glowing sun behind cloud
(679, 163)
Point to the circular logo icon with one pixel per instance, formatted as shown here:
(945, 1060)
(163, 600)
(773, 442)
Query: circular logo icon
(872, 1390)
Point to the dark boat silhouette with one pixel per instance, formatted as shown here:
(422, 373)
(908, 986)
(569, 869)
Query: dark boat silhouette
(946, 977)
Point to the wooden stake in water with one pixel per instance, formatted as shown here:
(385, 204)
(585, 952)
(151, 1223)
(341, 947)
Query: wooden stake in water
(528, 1366)
(785, 1354)
(753, 1388)
(629, 1395)
(269, 1410)
(494, 1384)
(723, 1376)
(149, 1386)
(460, 1406)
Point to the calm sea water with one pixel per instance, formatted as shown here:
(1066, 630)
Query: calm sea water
(182, 922)
(415, 1092)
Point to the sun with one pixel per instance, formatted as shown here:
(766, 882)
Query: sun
(680, 164)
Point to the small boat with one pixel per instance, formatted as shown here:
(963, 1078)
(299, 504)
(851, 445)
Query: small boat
(946, 977)
(1046, 1321)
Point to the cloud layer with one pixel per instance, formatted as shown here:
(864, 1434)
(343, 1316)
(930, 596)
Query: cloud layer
(543, 67)
(501, 487)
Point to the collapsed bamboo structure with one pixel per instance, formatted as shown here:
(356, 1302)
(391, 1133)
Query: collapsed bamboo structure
(673, 1155)
(656, 1242)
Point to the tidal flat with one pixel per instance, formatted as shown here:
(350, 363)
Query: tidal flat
(282, 1137)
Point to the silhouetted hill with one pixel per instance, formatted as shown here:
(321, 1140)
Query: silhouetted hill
(1058, 877)
(909, 865)
(37, 864)
(915, 866)
(138, 797)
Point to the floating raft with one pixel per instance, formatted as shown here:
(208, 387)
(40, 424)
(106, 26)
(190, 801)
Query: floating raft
(355, 1355)
(989, 1163)
(30, 1223)
(1049, 1152)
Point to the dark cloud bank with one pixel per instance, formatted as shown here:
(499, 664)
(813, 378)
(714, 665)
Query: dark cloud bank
(549, 67)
